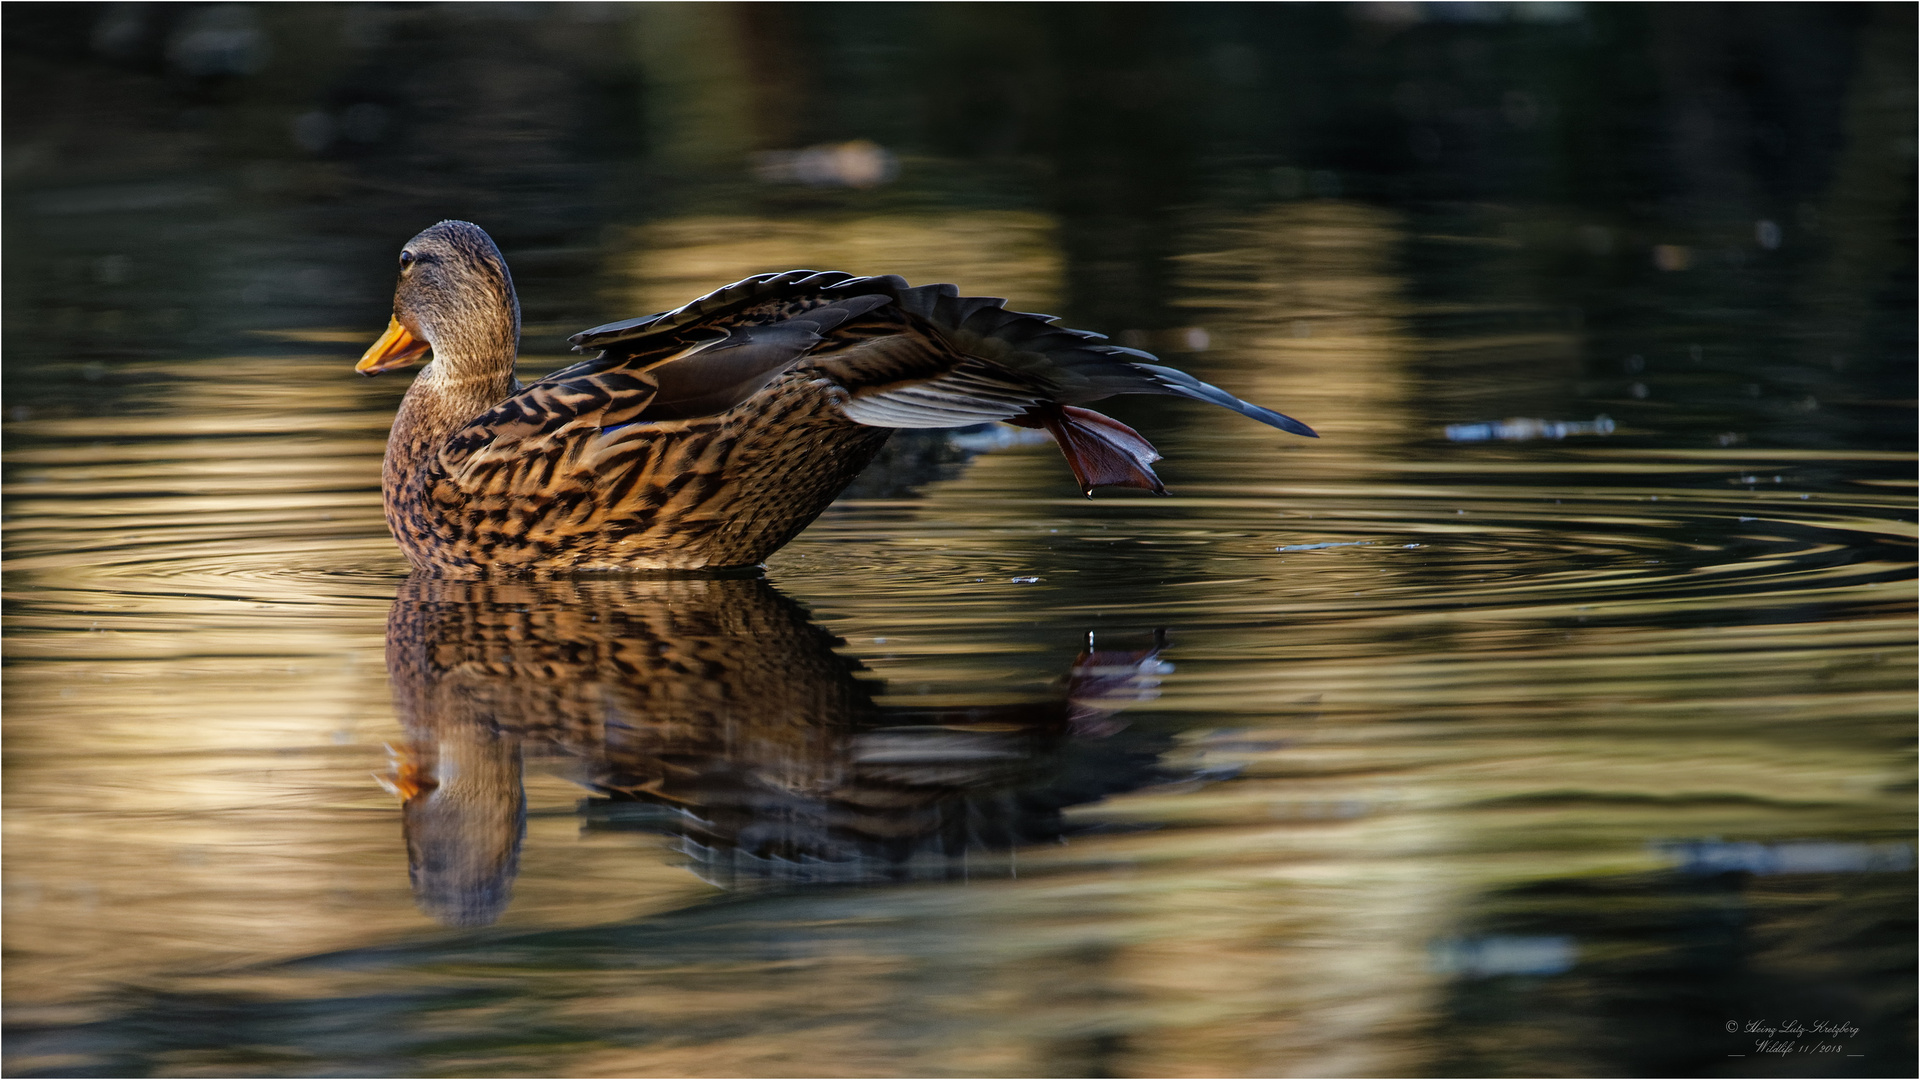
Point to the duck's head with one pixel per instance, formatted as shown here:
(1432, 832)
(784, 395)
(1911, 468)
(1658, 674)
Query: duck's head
(456, 298)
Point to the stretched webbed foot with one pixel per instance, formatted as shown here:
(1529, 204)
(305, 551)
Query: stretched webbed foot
(1100, 450)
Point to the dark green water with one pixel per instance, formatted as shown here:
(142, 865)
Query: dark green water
(1553, 714)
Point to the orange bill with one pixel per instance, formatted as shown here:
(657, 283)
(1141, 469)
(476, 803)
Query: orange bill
(396, 348)
(412, 774)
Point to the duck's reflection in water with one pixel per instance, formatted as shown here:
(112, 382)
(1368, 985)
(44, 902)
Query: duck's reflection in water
(716, 711)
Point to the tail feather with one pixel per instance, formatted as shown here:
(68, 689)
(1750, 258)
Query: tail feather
(1100, 450)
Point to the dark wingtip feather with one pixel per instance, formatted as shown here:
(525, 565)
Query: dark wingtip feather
(1175, 381)
(1280, 420)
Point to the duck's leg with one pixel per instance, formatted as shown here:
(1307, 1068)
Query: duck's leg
(1099, 449)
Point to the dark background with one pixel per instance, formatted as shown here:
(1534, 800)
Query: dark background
(274, 154)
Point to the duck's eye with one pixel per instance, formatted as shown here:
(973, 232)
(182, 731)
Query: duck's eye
(406, 261)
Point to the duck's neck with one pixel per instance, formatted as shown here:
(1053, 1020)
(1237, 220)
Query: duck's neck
(443, 398)
(475, 336)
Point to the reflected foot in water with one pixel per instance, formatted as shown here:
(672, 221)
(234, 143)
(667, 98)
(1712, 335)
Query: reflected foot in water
(714, 710)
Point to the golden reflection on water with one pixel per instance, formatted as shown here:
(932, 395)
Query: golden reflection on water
(1407, 679)
(1307, 298)
(1006, 253)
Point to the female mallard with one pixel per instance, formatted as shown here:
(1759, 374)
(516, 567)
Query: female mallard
(708, 436)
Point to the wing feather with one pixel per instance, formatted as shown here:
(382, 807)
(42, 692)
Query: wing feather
(971, 393)
(702, 372)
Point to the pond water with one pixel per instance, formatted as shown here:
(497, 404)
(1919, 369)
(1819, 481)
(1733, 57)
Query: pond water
(1552, 714)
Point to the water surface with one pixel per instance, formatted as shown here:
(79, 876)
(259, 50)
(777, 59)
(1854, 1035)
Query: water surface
(1549, 714)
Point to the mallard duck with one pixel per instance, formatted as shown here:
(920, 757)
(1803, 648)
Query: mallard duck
(708, 436)
(719, 698)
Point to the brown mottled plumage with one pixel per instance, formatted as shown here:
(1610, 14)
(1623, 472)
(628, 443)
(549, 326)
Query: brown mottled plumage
(710, 435)
(717, 697)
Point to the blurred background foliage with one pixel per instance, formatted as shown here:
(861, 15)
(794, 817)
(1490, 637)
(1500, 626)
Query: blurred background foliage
(1630, 149)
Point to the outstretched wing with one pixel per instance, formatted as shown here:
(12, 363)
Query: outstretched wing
(701, 370)
(940, 360)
